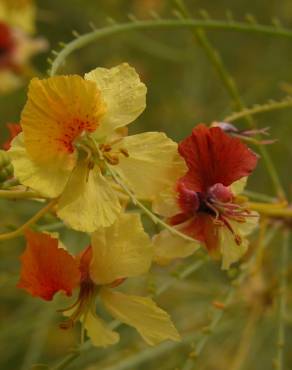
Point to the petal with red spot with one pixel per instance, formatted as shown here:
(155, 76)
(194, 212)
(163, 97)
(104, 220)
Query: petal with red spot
(214, 157)
(47, 269)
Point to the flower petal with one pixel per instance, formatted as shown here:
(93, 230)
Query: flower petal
(88, 201)
(98, 332)
(165, 203)
(215, 157)
(153, 324)
(152, 165)
(58, 110)
(123, 93)
(49, 180)
(121, 250)
(231, 250)
(168, 247)
(47, 269)
(238, 186)
(19, 14)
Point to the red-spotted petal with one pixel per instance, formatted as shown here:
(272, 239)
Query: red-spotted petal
(214, 157)
(47, 269)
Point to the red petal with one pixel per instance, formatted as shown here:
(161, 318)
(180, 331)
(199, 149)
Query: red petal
(214, 157)
(14, 130)
(47, 269)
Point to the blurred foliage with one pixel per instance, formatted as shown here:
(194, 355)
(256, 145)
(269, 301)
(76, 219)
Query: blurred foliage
(183, 90)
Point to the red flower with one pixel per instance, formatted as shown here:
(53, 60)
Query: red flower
(46, 268)
(14, 130)
(215, 161)
(7, 45)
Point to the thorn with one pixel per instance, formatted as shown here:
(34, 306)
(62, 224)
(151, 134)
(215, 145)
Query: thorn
(75, 34)
(54, 52)
(177, 14)
(92, 26)
(229, 15)
(50, 61)
(204, 14)
(62, 44)
(251, 18)
(110, 21)
(132, 17)
(154, 14)
(276, 22)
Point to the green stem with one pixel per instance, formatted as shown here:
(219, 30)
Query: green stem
(258, 196)
(279, 361)
(147, 212)
(257, 109)
(218, 314)
(164, 23)
(29, 223)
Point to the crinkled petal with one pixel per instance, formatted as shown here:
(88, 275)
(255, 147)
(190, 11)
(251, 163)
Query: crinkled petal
(121, 250)
(168, 247)
(215, 157)
(153, 324)
(49, 180)
(231, 250)
(47, 269)
(98, 332)
(123, 93)
(152, 165)
(58, 110)
(88, 201)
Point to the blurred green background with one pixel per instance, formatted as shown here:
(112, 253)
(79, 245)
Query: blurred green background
(183, 90)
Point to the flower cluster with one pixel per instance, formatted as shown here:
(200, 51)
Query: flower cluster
(17, 24)
(74, 147)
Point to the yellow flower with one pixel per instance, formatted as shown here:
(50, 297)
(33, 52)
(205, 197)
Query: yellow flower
(120, 251)
(74, 131)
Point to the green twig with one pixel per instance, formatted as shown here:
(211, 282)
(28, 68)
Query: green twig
(279, 361)
(257, 109)
(164, 23)
(218, 314)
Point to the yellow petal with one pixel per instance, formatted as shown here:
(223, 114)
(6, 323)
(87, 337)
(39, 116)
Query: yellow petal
(238, 186)
(121, 250)
(153, 163)
(18, 14)
(231, 250)
(123, 93)
(168, 247)
(59, 109)
(165, 203)
(9, 82)
(88, 201)
(49, 180)
(98, 332)
(153, 324)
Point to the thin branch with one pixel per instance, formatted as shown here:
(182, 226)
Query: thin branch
(29, 223)
(279, 361)
(164, 23)
(257, 109)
